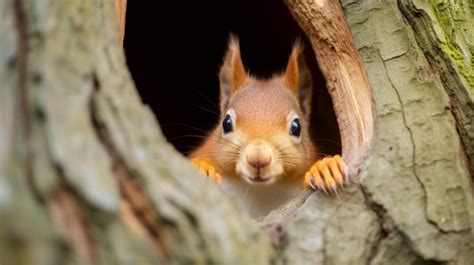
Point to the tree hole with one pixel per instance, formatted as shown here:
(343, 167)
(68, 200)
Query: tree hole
(174, 63)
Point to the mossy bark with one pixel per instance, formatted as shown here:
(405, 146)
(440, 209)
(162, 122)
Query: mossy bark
(416, 174)
(87, 177)
(444, 30)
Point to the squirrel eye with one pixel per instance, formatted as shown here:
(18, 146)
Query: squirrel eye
(227, 124)
(295, 128)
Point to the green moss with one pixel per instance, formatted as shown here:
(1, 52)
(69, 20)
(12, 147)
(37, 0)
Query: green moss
(456, 22)
(465, 67)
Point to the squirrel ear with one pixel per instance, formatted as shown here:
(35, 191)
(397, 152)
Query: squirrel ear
(232, 73)
(297, 78)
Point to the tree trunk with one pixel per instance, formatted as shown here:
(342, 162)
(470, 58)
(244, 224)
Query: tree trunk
(86, 175)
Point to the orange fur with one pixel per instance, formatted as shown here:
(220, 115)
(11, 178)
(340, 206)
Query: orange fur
(260, 159)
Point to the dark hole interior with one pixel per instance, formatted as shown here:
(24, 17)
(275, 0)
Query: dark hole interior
(174, 61)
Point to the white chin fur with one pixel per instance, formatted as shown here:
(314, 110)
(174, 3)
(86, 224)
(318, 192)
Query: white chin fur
(258, 200)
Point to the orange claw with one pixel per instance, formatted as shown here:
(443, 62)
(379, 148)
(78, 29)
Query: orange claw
(328, 174)
(207, 170)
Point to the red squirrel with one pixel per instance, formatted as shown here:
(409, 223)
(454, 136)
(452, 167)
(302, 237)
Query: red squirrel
(261, 151)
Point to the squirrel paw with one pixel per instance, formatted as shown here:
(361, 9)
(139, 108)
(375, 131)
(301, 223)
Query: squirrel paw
(207, 170)
(328, 174)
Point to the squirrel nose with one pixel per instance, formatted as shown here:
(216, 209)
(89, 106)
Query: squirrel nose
(258, 154)
(259, 162)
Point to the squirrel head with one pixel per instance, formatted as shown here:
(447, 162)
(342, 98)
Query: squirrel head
(264, 135)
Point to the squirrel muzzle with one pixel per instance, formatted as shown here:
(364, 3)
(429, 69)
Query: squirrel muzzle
(258, 163)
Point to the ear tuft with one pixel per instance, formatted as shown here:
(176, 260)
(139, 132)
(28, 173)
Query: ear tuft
(232, 74)
(297, 78)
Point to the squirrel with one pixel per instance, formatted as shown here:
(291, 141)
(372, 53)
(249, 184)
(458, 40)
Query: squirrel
(261, 152)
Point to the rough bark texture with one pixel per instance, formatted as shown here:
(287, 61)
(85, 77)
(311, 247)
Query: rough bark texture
(415, 173)
(445, 33)
(86, 175)
(77, 136)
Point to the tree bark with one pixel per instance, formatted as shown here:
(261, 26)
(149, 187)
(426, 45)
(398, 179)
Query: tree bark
(86, 175)
(417, 173)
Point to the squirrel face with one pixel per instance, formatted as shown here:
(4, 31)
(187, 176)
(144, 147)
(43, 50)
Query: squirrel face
(264, 135)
